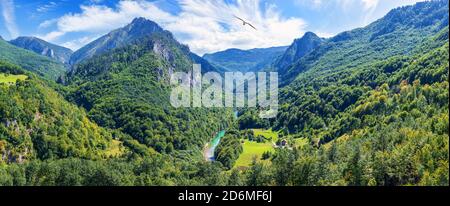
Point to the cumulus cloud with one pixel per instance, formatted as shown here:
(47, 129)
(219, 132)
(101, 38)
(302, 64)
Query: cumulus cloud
(101, 18)
(213, 27)
(8, 13)
(206, 26)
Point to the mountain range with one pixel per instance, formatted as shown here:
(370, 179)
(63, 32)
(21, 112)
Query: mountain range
(367, 107)
(42, 65)
(298, 49)
(39, 46)
(252, 60)
(139, 28)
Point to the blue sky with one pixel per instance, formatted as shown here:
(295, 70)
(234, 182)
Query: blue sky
(205, 25)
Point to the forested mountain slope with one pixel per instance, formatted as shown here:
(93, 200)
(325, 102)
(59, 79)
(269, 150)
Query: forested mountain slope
(396, 134)
(398, 33)
(41, 65)
(369, 107)
(137, 29)
(128, 89)
(318, 94)
(374, 112)
(38, 123)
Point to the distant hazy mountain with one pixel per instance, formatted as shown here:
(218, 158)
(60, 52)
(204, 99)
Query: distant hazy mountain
(139, 28)
(31, 61)
(42, 47)
(245, 60)
(298, 49)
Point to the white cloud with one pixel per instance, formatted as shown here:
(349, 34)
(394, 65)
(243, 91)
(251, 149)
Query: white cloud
(101, 19)
(370, 4)
(8, 12)
(206, 26)
(77, 43)
(203, 20)
(47, 7)
(47, 23)
(52, 35)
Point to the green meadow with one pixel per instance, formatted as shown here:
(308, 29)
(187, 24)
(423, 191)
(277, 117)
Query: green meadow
(254, 149)
(11, 79)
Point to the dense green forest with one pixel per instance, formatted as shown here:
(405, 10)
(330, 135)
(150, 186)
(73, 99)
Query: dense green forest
(368, 107)
(381, 108)
(38, 123)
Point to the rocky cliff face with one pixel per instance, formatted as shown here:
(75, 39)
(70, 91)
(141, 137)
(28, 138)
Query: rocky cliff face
(298, 49)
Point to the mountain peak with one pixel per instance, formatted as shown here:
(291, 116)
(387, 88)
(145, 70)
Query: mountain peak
(139, 20)
(143, 25)
(143, 21)
(138, 28)
(310, 35)
(299, 48)
(27, 38)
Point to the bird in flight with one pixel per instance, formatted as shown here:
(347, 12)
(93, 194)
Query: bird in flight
(245, 22)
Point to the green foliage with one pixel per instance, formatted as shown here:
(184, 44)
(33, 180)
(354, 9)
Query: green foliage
(229, 149)
(11, 79)
(41, 65)
(128, 89)
(369, 101)
(398, 33)
(36, 122)
(42, 47)
(368, 107)
(394, 135)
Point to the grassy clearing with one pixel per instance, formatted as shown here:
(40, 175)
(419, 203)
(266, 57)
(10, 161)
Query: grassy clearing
(11, 79)
(252, 149)
(266, 133)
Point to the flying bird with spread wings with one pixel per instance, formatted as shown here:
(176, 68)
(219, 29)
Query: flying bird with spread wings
(245, 22)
